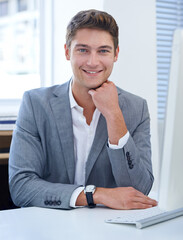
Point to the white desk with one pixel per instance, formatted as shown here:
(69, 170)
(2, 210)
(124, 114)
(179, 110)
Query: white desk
(82, 224)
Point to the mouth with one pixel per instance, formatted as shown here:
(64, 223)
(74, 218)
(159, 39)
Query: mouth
(92, 72)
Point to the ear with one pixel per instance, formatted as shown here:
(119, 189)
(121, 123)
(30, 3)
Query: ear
(67, 53)
(116, 55)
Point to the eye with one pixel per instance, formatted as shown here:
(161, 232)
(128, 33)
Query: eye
(82, 50)
(104, 51)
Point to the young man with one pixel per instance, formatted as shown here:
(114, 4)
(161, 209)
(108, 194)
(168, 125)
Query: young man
(85, 142)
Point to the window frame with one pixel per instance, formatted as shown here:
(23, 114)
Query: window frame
(169, 16)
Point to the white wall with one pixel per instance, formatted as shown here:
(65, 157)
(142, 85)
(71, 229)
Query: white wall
(135, 70)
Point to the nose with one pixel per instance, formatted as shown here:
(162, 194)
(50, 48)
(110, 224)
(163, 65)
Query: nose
(93, 60)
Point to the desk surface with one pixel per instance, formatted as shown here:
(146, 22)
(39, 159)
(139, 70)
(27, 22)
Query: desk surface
(83, 224)
(6, 132)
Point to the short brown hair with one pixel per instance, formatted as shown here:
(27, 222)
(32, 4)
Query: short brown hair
(93, 19)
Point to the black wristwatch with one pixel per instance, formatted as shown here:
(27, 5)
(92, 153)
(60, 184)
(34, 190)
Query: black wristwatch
(89, 191)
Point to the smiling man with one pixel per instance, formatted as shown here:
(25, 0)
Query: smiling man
(85, 142)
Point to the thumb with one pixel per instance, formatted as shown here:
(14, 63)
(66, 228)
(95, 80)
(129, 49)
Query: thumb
(91, 92)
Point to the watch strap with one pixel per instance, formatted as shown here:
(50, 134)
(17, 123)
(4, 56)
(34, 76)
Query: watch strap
(89, 197)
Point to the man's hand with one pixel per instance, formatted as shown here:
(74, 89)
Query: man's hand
(105, 99)
(119, 198)
(123, 198)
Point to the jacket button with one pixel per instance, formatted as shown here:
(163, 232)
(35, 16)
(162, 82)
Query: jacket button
(58, 202)
(128, 158)
(46, 202)
(131, 166)
(129, 162)
(127, 154)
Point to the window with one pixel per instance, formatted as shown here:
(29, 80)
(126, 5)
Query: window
(169, 18)
(22, 5)
(19, 48)
(3, 8)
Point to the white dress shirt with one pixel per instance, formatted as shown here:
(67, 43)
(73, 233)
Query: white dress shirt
(83, 138)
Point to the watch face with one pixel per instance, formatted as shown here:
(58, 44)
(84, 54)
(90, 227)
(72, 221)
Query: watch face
(90, 188)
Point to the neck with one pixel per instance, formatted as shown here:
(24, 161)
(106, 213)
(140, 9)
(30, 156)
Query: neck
(82, 97)
(84, 100)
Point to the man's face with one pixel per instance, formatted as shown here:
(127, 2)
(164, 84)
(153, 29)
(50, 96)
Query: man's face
(92, 56)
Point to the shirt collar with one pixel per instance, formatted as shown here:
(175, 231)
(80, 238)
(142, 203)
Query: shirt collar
(73, 102)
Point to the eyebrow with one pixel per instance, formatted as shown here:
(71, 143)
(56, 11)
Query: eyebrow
(86, 46)
(81, 45)
(106, 46)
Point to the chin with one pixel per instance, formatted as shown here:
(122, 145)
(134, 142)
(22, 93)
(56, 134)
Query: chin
(96, 85)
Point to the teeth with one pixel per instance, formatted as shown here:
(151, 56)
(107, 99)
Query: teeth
(91, 72)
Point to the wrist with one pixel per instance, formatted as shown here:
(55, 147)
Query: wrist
(89, 191)
(116, 127)
(113, 114)
(99, 195)
(81, 200)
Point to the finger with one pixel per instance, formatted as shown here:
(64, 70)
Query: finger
(91, 92)
(141, 195)
(150, 200)
(140, 206)
(146, 200)
(137, 205)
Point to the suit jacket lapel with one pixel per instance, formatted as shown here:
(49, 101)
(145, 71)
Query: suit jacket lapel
(61, 109)
(100, 139)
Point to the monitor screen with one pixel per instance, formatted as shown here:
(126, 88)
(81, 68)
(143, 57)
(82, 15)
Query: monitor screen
(171, 180)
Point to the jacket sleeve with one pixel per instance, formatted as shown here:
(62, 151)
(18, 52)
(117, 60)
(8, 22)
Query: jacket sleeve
(27, 166)
(132, 164)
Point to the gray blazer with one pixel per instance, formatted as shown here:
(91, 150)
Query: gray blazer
(42, 165)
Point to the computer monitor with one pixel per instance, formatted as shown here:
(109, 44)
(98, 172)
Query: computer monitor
(171, 179)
